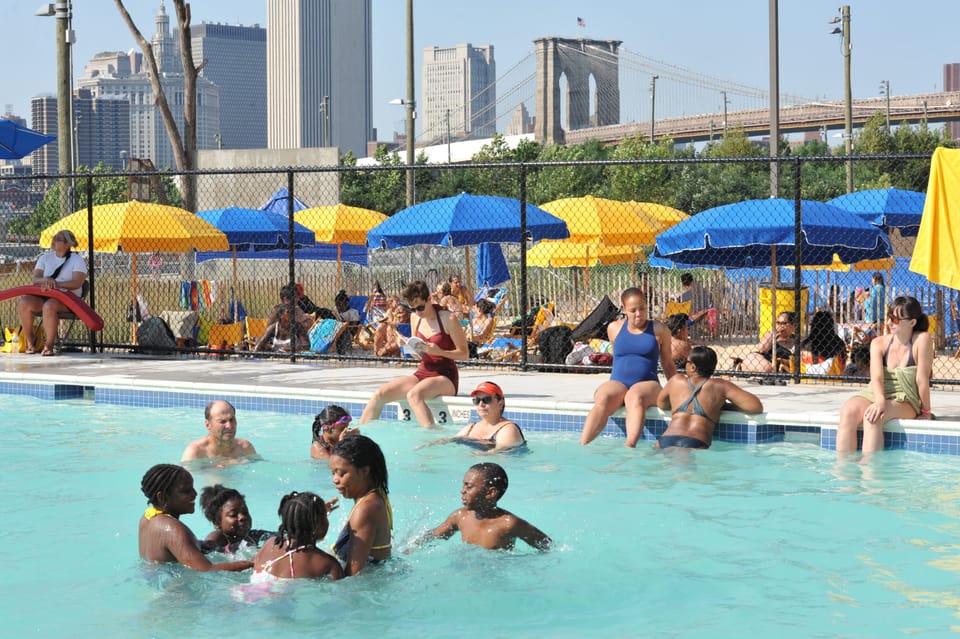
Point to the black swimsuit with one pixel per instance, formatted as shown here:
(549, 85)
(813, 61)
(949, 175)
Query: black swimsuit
(491, 442)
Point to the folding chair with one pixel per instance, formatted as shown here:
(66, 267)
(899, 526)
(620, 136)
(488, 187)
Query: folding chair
(255, 328)
(325, 333)
(68, 320)
(225, 336)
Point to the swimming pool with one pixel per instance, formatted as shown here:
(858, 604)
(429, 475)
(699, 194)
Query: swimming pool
(765, 540)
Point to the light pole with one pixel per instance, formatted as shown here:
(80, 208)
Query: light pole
(885, 89)
(725, 103)
(325, 124)
(63, 12)
(774, 37)
(653, 106)
(410, 103)
(844, 32)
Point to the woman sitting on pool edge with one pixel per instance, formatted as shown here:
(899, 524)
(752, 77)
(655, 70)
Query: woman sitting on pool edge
(443, 343)
(492, 433)
(163, 538)
(639, 342)
(359, 472)
(900, 369)
(697, 399)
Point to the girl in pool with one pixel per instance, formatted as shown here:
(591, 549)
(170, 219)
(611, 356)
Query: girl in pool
(443, 343)
(163, 538)
(900, 368)
(227, 510)
(329, 427)
(293, 551)
(639, 342)
(360, 473)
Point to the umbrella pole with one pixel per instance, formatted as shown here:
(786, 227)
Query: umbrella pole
(465, 284)
(136, 305)
(339, 267)
(236, 298)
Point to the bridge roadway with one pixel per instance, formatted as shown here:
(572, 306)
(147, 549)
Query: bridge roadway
(932, 107)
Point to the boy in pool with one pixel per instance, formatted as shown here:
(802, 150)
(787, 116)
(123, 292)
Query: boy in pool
(481, 521)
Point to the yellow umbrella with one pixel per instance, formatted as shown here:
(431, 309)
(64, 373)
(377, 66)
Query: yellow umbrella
(339, 224)
(837, 265)
(138, 227)
(612, 222)
(564, 254)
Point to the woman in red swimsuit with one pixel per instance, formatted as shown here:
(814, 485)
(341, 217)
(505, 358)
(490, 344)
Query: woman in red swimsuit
(444, 344)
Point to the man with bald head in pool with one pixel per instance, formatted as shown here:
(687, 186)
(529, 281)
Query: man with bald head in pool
(221, 440)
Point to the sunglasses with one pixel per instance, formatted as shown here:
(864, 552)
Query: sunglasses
(483, 400)
(893, 319)
(343, 421)
(414, 309)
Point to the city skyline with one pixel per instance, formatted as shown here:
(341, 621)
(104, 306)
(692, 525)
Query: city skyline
(716, 41)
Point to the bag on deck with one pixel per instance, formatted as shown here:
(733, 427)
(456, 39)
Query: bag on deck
(155, 337)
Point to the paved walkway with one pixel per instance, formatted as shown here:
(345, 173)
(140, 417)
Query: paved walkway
(793, 403)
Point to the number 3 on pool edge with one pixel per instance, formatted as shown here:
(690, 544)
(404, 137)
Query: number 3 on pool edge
(442, 417)
(406, 414)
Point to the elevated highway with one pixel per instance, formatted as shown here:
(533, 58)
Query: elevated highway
(932, 107)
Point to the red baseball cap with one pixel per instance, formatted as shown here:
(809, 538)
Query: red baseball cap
(489, 388)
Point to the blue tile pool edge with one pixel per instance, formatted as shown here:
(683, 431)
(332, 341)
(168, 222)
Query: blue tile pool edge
(939, 438)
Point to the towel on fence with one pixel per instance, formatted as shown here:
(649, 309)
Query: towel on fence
(185, 294)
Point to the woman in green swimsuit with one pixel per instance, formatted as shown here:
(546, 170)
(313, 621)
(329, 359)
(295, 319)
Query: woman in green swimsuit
(900, 368)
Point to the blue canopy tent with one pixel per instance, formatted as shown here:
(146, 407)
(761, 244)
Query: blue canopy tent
(887, 208)
(279, 202)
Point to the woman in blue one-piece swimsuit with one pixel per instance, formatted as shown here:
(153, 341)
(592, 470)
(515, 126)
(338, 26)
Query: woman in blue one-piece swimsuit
(638, 344)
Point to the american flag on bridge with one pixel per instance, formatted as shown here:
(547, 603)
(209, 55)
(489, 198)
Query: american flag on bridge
(581, 22)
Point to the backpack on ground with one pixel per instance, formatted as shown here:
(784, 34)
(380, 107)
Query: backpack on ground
(555, 344)
(154, 337)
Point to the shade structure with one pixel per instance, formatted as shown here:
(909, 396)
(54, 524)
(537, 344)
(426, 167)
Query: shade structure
(564, 253)
(936, 254)
(464, 220)
(138, 227)
(612, 222)
(757, 233)
(279, 202)
(18, 141)
(339, 223)
(889, 208)
(256, 228)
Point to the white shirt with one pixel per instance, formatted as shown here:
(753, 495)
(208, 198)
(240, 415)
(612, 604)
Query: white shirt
(49, 262)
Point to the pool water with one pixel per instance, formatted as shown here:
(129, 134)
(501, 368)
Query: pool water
(775, 540)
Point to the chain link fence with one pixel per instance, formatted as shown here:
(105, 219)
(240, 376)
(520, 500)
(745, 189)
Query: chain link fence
(712, 220)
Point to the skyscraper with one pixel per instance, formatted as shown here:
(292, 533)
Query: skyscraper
(319, 74)
(236, 61)
(951, 82)
(459, 92)
(103, 129)
(43, 118)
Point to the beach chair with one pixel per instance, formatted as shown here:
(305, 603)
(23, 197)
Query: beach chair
(325, 333)
(225, 336)
(255, 328)
(68, 320)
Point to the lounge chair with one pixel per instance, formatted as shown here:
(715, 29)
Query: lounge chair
(324, 334)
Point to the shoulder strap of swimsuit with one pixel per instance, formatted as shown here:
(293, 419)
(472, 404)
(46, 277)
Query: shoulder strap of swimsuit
(693, 396)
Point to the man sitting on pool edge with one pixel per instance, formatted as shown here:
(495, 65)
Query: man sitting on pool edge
(221, 440)
(698, 400)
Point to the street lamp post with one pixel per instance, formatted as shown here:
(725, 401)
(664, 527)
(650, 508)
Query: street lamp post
(653, 106)
(63, 12)
(411, 104)
(844, 32)
(885, 88)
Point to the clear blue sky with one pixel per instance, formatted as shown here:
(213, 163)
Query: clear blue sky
(905, 43)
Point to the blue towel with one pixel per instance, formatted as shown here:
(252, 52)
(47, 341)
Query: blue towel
(323, 334)
(185, 294)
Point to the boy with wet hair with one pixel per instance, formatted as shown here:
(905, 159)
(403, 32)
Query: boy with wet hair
(481, 521)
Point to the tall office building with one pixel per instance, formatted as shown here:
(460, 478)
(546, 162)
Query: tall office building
(109, 75)
(459, 92)
(236, 61)
(319, 74)
(102, 129)
(951, 82)
(43, 118)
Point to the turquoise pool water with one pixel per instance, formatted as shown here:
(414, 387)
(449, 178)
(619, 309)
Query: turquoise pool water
(773, 540)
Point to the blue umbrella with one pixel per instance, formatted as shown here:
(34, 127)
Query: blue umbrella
(464, 220)
(279, 202)
(491, 266)
(755, 233)
(250, 228)
(17, 141)
(889, 208)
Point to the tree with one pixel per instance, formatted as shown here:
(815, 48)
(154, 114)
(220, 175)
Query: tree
(555, 182)
(185, 147)
(378, 190)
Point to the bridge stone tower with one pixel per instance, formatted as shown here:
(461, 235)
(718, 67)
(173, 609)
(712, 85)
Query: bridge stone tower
(578, 59)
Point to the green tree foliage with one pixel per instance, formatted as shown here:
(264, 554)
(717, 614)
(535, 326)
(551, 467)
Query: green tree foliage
(554, 182)
(375, 189)
(646, 182)
(106, 190)
(876, 139)
(819, 179)
(715, 181)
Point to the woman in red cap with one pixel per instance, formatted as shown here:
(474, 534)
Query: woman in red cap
(491, 433)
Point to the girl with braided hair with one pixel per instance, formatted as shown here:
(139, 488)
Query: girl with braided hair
(163, 538)
(293, 552)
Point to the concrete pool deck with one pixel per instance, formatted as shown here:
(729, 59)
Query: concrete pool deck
(804, 405)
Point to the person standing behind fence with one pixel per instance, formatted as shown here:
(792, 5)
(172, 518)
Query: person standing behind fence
(875, 303)
(900, 368)
(638, 343)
